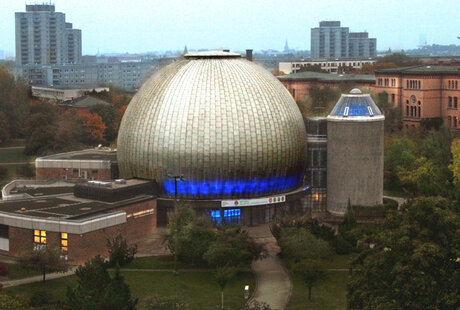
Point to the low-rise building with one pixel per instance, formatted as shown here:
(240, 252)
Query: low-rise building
(299, 84)
(82, 105)
(422, 92)
(64, 93)
(80, 222)
(91, 164)
(345, 65)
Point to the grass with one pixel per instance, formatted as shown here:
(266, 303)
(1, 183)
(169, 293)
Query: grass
(393, 193)
(15, 155)
(330, 294)
(198, 289)
(13, 143)
(159, 262)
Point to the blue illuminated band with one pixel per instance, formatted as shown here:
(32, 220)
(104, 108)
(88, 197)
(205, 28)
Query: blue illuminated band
(260, 186)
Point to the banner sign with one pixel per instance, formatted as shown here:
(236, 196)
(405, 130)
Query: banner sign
(252, 202)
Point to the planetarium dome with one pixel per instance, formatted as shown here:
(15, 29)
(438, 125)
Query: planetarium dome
(225, 123)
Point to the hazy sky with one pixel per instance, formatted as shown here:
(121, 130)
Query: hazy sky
(148, 25)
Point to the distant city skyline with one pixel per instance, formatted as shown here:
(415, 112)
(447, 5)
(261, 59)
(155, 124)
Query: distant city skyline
(138, 26)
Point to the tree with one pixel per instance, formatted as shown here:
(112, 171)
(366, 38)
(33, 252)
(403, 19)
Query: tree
(93, 123)
(396, 60)
(323, 98)
(399, 152)
(255, 305)
(46, 259)
(165, 303)
(120, 253)
(298, 244)
(8, 302)
(455, 166)
(26, 170)
(415, 265)
(69, 133)
(96, 290)
(107, 113)
(4, 128)
(222, 275)
(311, 272)
(3, 173)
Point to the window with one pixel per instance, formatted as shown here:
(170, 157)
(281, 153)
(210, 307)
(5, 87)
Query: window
(293, 92)
(456, 84)
(64, 242)
(455, 102)
(455, 122)
(94, 171)
(393, 98)
(449, 85)
(407, 110)
(419, 85)
(449, 121)
(419, 112)
(40, 237)
(450, 102)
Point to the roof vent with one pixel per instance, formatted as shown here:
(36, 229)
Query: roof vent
(355, 91)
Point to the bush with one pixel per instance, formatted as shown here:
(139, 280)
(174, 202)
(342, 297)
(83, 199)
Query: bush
(342, 246)
(26, 170)
(3, 270)
(165, 303)
(298, 244)
(40, 298)
(120, 253)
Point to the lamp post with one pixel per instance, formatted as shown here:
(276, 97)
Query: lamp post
(177, 177)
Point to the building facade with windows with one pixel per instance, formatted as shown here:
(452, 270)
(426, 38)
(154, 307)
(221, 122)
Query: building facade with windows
(347, 65)
(423, 92)
(332, 41)
(43, 37)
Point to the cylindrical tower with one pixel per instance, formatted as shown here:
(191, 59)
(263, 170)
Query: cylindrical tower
(354, 153)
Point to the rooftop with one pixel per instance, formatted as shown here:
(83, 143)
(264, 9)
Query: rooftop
(327, 77)
(423, 69)
(70, 206)
(212, 54)
(83, 102)
(90, 154)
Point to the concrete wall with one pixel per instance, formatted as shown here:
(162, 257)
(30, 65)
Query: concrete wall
(354, 164)
(68, 173)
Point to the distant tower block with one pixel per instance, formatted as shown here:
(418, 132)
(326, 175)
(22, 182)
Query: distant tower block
(354, 153)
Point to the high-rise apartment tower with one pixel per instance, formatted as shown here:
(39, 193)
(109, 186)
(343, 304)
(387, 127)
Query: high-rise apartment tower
(43, 37)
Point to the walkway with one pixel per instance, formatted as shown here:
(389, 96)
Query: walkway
(38, 278)
(273, 285)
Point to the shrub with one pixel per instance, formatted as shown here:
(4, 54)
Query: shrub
(120, 253)
(40, 298)
(165, 303)
(3, 270)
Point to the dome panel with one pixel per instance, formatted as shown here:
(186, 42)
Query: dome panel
(224, 123)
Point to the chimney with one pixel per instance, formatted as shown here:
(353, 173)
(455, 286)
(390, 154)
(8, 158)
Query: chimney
(249, 55)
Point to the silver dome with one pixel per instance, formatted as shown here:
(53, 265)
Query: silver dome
(224, 123)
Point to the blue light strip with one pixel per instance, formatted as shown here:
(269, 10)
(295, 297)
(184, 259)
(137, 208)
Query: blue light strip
(233, 187)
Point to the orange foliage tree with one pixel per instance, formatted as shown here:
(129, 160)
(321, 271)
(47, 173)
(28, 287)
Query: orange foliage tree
(94, 124)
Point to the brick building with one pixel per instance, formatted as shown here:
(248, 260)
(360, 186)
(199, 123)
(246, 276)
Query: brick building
(423, 92)
(79, 223)
(93, 164)
(299, 84)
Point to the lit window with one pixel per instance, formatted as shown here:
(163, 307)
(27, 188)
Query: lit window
(40, 236)
(64, 242)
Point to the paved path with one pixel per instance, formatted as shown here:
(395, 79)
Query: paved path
(273, 285)
(37, 278)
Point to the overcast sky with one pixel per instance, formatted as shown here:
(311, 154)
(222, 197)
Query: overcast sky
(160, 25)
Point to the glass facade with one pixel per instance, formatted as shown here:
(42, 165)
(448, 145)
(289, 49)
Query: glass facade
(355, 105)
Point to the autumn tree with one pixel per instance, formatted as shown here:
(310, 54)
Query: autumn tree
(69, 133)
(415, 263)
(45, 260)
(94, 126)
(4, 128)
(40, 128)
(108, 115)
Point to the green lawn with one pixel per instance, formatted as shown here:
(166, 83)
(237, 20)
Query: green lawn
(13, 142)
(331, 294)
(14, 155)
(157, 262)
(198, 289)
(16, 272)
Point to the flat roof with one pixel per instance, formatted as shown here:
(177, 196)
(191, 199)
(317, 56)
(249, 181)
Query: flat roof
(89, 154)
(64, 207)
(327, 77)
(42, 190)
(423, 69)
